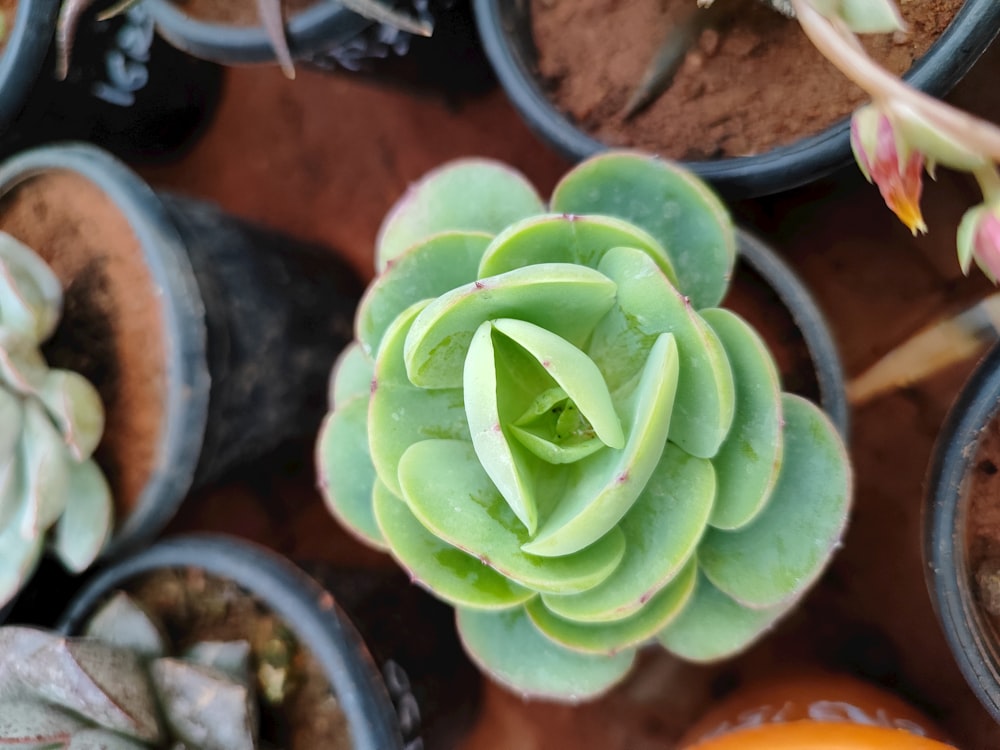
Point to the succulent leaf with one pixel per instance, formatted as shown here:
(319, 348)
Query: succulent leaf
(30, 293)
(35, 726)
(786, 547)
(351, 376)
(672, 205)
(475, 195)
(11, 417)
(232, 658)
(100, 739)
(46, 472)
(75, 406)
(508, 646)
(347, 474)
(568, 238)
(439, 339)
(18, 559)
(451, 494)
(122, 623)
(203, 707)
(614, 637)
(455, 576)
(436, 265)
(647, 306)
(712, 626)
(84, 527)
(748, 461)
(662, 530)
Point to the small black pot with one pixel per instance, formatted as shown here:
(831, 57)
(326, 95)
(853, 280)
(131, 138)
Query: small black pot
(252, 322)
(971, 639)
(820, 376)
(505, 29)
(126, 90)
(306, 608)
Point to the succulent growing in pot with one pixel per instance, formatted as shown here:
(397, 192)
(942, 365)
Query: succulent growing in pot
(51, 421)
(551, 425)
(119, 686)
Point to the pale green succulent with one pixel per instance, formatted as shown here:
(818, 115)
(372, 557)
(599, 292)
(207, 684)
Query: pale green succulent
(551, 425)
(50, 423)
(117, 688)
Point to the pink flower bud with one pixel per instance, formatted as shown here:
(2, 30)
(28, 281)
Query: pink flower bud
(885, 159)
(986, 243)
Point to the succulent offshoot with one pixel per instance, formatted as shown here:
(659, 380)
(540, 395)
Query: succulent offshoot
(119, 687)
(52, 492)
(547, 421)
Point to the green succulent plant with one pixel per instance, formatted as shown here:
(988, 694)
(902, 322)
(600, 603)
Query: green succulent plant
(117, 688)
(51, 421)
(549, 422)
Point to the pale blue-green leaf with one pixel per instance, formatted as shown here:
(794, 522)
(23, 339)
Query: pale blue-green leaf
(966, 236)
(674, 206)
(499, 457)
(450, 574)
(568, 238)
(11, 419)
(400, 414)
(18, 560)
(785, 548)
(575, 373)
(122, 622)
(647, 306)
(75, 406)
(85, 525)
(45, 466)
(472, 195)
(33, 725)
(102, 739)
(513, 652)
(427, 270)
(233, 658)
(452, 496)
(748, 461)
(22, 367)
(613, 637)
(604, 486)
(351, 375)
(565, 299)
(662, 531)
(22, 305)
(712, 626)
(346, 473)
(11, 489)
(28, 263)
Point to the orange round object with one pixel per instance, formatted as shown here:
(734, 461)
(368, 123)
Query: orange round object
(814, 712)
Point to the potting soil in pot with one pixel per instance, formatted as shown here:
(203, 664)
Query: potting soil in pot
(754, 84)
(110, 331)
(236, 12)
(298, 709)
(7, 10)
(983, 523)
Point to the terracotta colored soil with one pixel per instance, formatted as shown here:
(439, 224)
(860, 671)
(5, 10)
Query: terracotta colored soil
(298, 709)
(754, 84)
(7, 10)
(110, 331)
(983, 521)
(235, 12)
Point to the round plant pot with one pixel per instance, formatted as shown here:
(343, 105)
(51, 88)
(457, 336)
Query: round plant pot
(306, 608)
(949, 574)
(505, 29)
(209, 339)
(773, 298)
(813, 712)
(125, 89)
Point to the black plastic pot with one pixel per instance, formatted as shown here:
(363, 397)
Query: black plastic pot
(252, 322)
(307, 609)
(126, 90)
(505, 29)
(820, 376)
(970, 637)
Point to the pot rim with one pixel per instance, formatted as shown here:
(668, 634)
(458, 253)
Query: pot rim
(810, 321)
(186, 376)
(314, 29)
(796, 735)
(24, 54)
(306, 607)
(951, 56)
(944, 520)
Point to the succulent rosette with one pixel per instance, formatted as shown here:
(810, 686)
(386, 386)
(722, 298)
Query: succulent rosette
(547, 420)
(51, 421)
